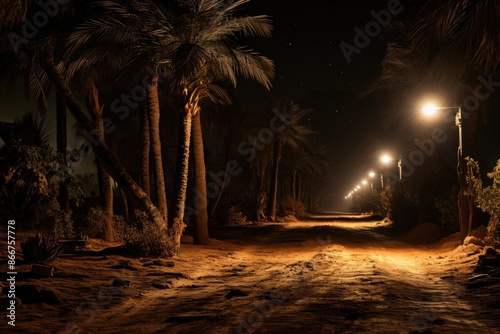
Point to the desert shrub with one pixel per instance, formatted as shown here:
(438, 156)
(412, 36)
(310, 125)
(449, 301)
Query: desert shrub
(53, 221)
(486, 198)
(40, 248)
(236, 208)
(235, 217)
(144, 239)
(295, 207)
(448, 211)
(95, 223)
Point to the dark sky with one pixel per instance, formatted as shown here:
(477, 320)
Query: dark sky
(306, 38)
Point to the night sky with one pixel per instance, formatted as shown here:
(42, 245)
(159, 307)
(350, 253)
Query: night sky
(312, 70)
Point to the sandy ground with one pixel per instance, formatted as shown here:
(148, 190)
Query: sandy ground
(318, 276)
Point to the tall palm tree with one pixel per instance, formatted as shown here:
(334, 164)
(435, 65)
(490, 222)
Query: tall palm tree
(294, 135)
(95, 109)
(203, 51)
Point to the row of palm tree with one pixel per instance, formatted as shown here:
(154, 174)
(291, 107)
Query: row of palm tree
(192, 44)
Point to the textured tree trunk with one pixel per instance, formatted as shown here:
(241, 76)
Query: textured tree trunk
(110, 162)
(146, 147)
(154, 128)
(201, 236)
(274, 190)
(182, 172)
(95, 109)
(62, 143)
(294, 184)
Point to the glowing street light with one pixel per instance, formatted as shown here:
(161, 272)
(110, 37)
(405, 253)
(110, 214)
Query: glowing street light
(373, 174)
(430, 110)
(386, 159)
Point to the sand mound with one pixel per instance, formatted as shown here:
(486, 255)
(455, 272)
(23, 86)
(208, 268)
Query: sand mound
(425, 233)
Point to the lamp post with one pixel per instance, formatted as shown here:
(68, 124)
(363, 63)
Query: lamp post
(372, 174)
(431, 110)
(386, 159)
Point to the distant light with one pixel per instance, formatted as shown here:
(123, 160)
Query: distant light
(372, 174)
(364, 182)
(358, 187)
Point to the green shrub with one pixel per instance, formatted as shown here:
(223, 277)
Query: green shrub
(144, 239)
(40, 248)
(486, 198)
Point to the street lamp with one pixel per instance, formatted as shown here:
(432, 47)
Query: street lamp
(431, 110)
(372, 174)
(386, 159)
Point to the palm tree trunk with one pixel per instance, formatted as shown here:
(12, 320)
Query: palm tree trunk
(146, 147)
(62, 143)
(182, 171)
(95, 109)
(201, 217)
(154, 128)
(274, 191)
(110, 162)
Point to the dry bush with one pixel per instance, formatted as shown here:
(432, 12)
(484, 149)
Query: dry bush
(144, 239)
(293, 207)
(96, 224)
(235, 217)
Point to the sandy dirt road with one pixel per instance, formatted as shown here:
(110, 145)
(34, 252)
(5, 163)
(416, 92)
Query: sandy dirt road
(302, 277)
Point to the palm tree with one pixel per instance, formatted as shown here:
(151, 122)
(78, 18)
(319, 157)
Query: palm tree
(88, 182)
(294, 135)
(95, 109)
(202, 52)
